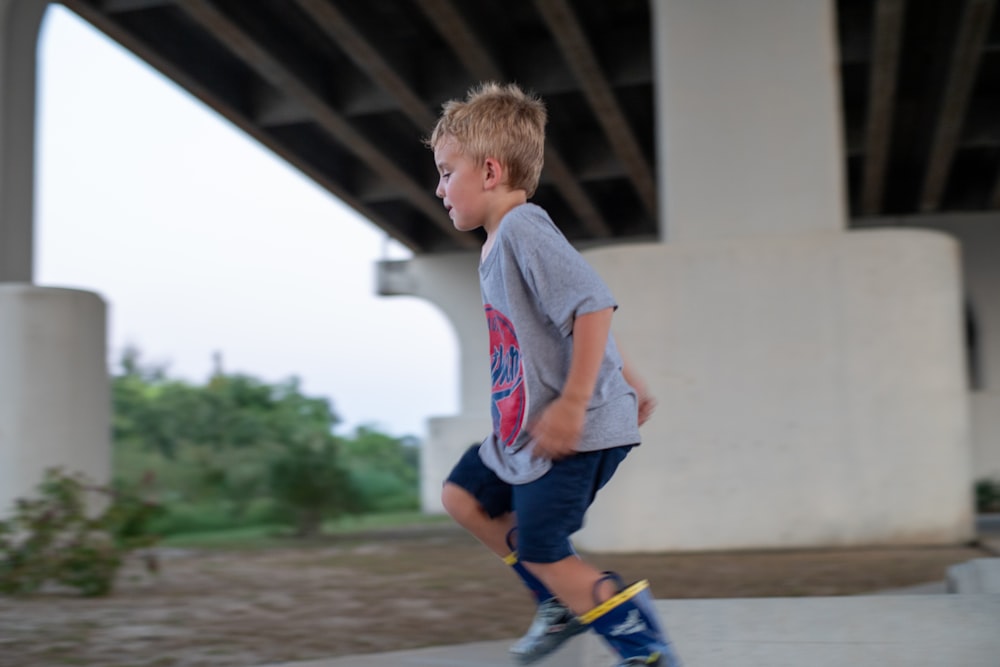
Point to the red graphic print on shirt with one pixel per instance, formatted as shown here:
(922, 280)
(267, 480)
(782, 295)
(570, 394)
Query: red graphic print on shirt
(507, 373)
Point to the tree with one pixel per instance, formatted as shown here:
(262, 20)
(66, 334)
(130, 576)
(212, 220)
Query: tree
(312, 485)
(385, 470)
(156, 413)
(237, 447)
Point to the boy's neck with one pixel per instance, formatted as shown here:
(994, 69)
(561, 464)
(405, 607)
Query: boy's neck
(502, 204)
(506, 202)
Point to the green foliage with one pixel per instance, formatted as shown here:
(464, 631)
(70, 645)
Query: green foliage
(385, 471)
(312, 485)
(268, 536)
(56, 538)
(204, 489)
(395, 456)
(237, 411)
(182, 517)
(238, 452)
(987, 495)
(379, 491)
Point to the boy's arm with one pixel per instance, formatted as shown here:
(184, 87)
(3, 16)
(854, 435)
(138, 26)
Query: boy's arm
(558, 429)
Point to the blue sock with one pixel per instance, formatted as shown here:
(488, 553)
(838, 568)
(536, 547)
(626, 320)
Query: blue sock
(533, 583)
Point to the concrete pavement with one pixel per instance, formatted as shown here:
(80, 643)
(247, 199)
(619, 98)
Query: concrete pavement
(859, 631)
(862, 631)
(916, 627)
(478, 654)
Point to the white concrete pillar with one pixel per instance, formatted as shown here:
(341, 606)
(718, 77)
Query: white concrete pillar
(811, 394)
(811, 381)
(54, 397)
(19, 25)
(748, 118)
(451, 282)
(979, 236)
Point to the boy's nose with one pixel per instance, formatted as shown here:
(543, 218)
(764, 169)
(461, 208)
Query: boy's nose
(440, 191)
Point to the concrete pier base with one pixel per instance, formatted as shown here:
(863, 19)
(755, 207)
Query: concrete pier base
(806, 382)
(447, 440)
(54, 397)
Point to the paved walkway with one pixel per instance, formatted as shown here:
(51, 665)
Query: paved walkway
(478, 654)
(861, 631)
(926, 606)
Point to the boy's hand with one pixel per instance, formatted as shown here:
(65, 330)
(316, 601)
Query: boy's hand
(558, 430)
(646, 406)
(645, 399)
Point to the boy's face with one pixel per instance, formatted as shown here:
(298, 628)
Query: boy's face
(460, 185)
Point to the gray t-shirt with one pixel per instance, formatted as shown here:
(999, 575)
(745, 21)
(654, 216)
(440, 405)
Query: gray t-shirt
(534, 284)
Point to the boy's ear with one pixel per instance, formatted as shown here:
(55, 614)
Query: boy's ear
(492, 173)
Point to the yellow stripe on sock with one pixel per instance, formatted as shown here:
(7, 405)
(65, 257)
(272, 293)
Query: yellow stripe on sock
(511, 558)
(608, 605)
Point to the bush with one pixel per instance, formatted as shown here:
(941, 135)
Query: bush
(381, 491)
(54, 538)
(181, 517)
(310, 483)
(987, 495)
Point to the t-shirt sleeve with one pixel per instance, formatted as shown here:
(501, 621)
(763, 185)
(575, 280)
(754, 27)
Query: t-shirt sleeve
(563, 283)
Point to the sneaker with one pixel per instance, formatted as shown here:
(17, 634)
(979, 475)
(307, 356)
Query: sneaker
(554, 623)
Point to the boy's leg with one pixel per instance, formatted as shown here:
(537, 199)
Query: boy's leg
(552, 509)
(481, 503)
(496, 533)
(553, 624)
(624, 616)
(538, 589)
(469, 513)
(572, 579)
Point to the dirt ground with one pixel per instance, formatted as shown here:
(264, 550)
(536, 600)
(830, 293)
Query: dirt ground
(382, 591)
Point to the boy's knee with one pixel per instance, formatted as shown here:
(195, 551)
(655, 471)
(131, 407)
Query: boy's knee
(458, 502)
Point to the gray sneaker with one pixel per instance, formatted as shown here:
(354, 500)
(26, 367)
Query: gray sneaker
(553, 624)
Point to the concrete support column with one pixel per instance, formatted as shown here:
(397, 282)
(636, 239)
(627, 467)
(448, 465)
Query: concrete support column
(54, 398)
(451, 282)
(748, 118)
(811, 389)
(979, 237)
(811, 381)
(19, 24)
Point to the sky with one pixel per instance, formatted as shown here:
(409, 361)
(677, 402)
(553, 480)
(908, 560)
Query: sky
(202, 241)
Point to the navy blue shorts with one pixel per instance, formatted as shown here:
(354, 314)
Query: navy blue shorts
(550, 509)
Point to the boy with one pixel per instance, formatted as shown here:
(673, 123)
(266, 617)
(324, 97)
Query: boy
(564, 415)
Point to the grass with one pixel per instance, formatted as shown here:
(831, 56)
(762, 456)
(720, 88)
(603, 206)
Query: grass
(274, 535)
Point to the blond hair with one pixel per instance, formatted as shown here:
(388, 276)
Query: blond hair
(498, 121)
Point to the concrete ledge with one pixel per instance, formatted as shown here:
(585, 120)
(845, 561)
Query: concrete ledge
(976, 577)
(904, 631)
